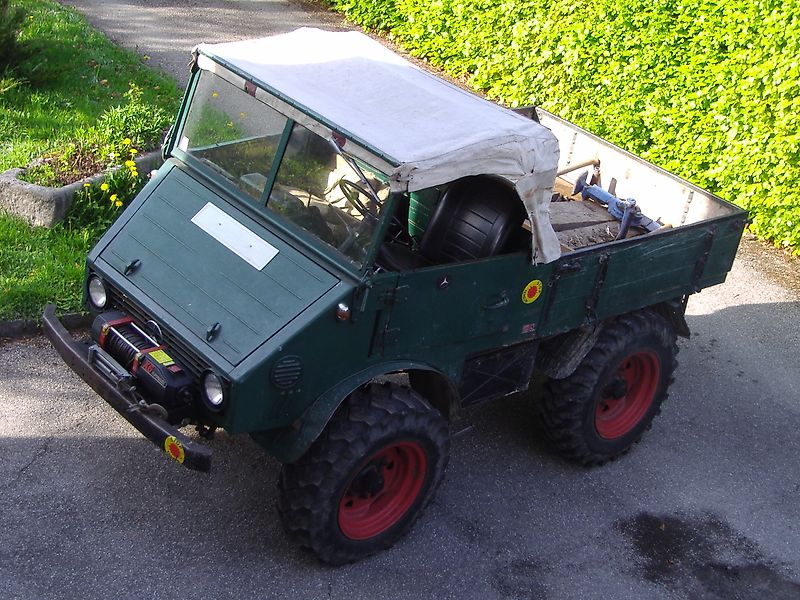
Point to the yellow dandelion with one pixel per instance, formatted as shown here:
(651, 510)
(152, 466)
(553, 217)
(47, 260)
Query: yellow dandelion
(113, 198)
(134, 151)
(118, 203)
(86, 185)
(130, 164)
(127, 141)
(104, 187)
(214, 94)
(229, 123)
(135, 173)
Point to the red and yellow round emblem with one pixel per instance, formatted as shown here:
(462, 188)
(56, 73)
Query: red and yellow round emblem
(532, 291)
(174, 448)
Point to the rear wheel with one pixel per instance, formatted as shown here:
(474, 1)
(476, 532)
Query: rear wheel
(605, 406)
(369, 475)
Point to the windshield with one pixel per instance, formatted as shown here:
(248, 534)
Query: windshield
(317, 187)
(232, 133)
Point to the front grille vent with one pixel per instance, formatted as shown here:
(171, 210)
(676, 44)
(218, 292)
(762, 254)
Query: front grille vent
(186, 357)
(287, 372)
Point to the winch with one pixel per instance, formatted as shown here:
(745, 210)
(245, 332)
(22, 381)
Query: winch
(163, 382)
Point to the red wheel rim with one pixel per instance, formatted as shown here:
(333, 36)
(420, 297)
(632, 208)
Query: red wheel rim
(628, 397)
(382, 490)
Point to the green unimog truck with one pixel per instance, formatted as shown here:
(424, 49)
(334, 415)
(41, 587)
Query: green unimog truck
(342, 251)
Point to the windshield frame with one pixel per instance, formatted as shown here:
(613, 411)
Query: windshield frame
(259, 211)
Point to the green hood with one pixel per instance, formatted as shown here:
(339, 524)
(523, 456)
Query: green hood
(206, 263)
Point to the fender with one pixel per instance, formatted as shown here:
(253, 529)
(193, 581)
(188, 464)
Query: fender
(559, 356)
(674, 311)
(290, 443)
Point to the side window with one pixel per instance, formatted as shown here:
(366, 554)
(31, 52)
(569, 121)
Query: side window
(232, 133)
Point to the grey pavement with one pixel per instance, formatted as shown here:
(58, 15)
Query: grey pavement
(167, 30)
(706, 506)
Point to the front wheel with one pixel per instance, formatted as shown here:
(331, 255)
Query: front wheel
(369, 475)
(605, 406)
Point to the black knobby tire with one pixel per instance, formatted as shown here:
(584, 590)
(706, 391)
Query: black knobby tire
(604, 407)
(365, 480)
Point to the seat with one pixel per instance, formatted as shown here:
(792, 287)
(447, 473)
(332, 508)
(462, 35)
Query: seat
(477, 217)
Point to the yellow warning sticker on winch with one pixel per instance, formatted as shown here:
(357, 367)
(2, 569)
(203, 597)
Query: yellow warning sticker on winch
(532, 291)
(161, 358)
(175, 449)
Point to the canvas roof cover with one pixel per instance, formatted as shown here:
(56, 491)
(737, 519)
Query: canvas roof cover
(429, 131)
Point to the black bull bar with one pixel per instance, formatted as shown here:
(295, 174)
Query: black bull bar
(167, 437)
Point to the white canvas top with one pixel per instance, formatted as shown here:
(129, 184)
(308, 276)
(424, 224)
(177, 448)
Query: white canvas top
(429, 130)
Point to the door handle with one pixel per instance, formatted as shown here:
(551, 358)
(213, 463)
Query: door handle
(503, 301)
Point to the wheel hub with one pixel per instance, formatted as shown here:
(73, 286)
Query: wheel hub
(627, 398)
(617, 388)
(369, 481)
(382, 490)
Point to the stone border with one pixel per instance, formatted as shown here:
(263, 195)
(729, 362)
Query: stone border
(46, 206)
(21, 328)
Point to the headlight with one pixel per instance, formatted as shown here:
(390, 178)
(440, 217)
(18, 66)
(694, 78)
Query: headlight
(212, 391)
(97, 292)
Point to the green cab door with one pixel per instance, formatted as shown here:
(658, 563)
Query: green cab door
(472, 305)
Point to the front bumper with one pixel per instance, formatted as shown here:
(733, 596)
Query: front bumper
(76, 354)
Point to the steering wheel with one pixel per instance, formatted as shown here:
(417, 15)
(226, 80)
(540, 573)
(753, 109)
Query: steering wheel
(352, 192)
(352, 240)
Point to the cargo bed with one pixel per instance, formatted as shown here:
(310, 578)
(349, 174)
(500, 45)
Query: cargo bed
(598, 276)
(662, 196)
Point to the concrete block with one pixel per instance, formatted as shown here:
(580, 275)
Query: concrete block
(46, 206)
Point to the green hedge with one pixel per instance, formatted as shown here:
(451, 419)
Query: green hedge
(705, 89)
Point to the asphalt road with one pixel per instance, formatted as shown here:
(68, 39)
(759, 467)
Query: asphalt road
(167, 30)
(706, 506)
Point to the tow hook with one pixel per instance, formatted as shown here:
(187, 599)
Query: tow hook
(155, 410)
(206, 432)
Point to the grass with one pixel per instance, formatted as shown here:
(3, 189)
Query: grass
(40, 265)
(70, 81)
(70, 75)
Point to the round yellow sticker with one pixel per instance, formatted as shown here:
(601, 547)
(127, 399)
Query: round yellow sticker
(532, 291)
(174, 448)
